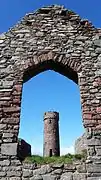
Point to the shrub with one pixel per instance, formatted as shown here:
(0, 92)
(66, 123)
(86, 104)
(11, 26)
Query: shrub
(68, 158)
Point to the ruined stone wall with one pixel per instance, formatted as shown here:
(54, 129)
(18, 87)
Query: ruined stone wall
(79, 170)
(56, 39)
(81, 144)
(28, 171)
(76, 171)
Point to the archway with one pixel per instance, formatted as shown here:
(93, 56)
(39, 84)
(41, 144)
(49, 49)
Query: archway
(50, 91)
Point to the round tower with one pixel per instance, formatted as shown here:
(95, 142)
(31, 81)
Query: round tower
(51, 134)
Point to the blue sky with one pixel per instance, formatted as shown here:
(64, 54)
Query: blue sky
(49, 90)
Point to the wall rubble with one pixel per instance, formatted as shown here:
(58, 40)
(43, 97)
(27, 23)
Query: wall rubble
(43, 172)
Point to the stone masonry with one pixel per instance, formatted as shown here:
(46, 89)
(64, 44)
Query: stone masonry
(75, 171)
(81, 144)
(24, 149)
(51, 134)
(52, 38)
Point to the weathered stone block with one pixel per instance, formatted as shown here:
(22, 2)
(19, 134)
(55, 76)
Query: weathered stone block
(12, 168)
(94, 142)
(36, 177)
(45, 169)
(67, 176)
(98, 151)
(15, 162)
(14, 173)
(97, 42)
(1, 41)
(93, 168)
(61, 165)
(69, 167)
(2, 174)
(8, 135)
(3, 126)
(29, 166)
(11, 109)
(2, 36)
(15, 178)
(27, 173)
(57, 171)
(7, 140)
(79, 176)
(49, 177)
(94, 178)
(98, 50)
(9, 149)
(5, 163)
(91, 151)
(81, 168)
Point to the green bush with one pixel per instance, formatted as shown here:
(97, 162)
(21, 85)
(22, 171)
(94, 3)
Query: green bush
(68, 158)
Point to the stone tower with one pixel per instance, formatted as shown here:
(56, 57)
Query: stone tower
(51, 134)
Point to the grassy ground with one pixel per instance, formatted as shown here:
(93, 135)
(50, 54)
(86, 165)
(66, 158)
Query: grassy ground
(68, 158)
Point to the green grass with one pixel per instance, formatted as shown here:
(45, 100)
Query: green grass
(68, 158)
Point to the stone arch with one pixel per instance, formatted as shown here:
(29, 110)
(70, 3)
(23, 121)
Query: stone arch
(62, 67)
(51, 63)
(51, 38)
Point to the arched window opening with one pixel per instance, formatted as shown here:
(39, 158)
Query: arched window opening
(50, 91)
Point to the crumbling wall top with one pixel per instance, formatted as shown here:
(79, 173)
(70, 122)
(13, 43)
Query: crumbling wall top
(51, 115)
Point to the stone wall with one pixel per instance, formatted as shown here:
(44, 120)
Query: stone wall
(81, 144)
(15, 170)
(23, 150)
(57, 39)
(76, 171)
